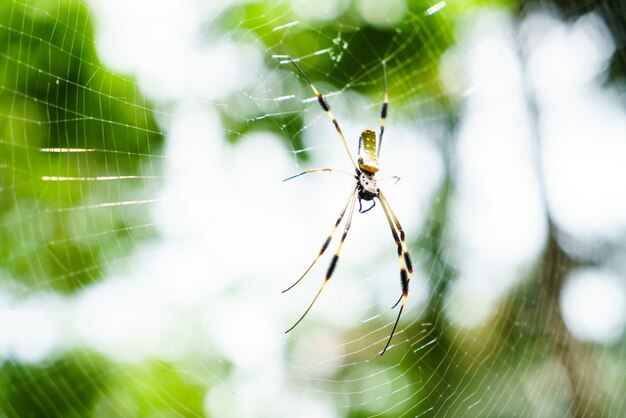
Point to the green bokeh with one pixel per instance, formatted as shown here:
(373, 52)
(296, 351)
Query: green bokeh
(55, 94)
(63, 235)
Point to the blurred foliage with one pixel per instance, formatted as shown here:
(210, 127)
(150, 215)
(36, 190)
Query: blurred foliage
(411, 50)
(613, 12)
(411, 47)
(55, 94)
(84, 384)
(150, 389)
(66, 387)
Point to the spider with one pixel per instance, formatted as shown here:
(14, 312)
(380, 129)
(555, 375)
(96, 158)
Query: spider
(365, 189)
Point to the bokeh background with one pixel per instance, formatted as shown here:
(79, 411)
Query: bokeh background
(146, 233)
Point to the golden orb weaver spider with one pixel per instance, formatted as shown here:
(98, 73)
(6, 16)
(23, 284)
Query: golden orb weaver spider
(367, 189)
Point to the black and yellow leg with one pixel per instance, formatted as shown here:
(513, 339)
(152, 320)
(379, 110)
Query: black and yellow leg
(351, 198)
(404, 276)
(405, 250)
(407, 257)
(333, 262)
(383, 110)
(326, 107)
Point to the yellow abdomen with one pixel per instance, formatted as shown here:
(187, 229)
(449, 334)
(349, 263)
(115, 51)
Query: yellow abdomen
(368, 156)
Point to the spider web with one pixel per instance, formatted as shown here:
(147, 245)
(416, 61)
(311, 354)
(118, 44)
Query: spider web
(146, 235)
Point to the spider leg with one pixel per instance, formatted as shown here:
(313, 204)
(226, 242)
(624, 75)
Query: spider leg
(326, 107)
(405, 251)
(317, 170)
(383, 110)
(328, 239)
(395, 325)
(407, 257)
(396, 304)
(333, 263)
(396, 178)
(368, 209)
(402, 256)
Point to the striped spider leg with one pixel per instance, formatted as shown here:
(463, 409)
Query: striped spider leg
(331, 268)
(366, 189)
(403, 255)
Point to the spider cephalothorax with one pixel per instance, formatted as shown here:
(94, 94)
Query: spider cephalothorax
(366, 185)
(366, 189)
